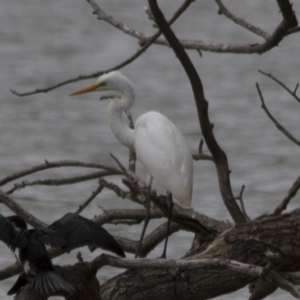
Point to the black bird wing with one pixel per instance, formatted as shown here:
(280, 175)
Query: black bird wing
(48, 237)
(44, 282)
(79, 231)
(10, 236)
(21, 281)
(48, 282)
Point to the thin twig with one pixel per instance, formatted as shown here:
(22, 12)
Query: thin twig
(57, 164)
(240, 198)
(58, 182)
(293, 93)
(201, 155)
(138, 215)
(291, 193)
(123, 169)
(113, 187)
(90, 199)
(223, 10)
(20, 211)
(147, 42)
(157, 236)
(277, 124)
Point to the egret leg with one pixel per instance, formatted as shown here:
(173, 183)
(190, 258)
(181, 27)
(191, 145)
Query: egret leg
(169, 197)
(147, 216)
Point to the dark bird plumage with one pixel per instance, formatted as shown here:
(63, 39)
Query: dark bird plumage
(33, 256)
(78, 231)
(69, 232)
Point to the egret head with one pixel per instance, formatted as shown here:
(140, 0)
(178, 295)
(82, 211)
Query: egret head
(112, 81)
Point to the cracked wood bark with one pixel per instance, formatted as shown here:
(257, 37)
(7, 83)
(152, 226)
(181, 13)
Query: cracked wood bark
(246, 243)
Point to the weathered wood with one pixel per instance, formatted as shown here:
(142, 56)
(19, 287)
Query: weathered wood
(248, 243)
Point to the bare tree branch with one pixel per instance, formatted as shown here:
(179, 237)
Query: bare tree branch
(146, 43)
(240, 198)
(224, 11)
(277, 124)
(293, 93)
(218, 154)
(58, 164)
(101, 15)
(201, 155)
(62, 181)
(90, 199)
(272, 40)
(19, 210)
(196, 265)
(110, 215)
(287, 13)
(291, 193)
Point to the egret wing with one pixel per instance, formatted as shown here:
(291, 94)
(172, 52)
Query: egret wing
(162, 150)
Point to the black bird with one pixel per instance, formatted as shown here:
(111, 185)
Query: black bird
(34, 257)
(69, 232)
(77, 231)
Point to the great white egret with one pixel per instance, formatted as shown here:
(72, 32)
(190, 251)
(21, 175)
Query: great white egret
(159, 145)
(69, 232)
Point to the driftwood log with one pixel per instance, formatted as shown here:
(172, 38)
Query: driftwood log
(264, 254)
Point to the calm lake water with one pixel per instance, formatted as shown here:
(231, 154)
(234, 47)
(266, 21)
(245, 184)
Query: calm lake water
(45, 43)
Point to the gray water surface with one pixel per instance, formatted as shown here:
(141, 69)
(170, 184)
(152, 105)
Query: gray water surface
(45, 43)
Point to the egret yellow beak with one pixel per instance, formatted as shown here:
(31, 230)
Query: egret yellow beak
(87, 89)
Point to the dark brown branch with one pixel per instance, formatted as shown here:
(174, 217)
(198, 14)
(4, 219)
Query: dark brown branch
(101, 15)
(201, 155)
(155, 237)
(287, 13)
(145, 45)
(277, 124)
(58, 164)
(197, 266)
(218, 154)
(90, 199)
(293, 93)
(291, 193)
(240, 198)
(10, 271)
(19, 210)
(223, 10)
(273, 41)
(117, 190)
(293, 30)
(190, 220)
(110, 215)
(62, 181)
(150, 241)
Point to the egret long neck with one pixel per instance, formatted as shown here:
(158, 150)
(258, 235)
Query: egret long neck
(120, 129)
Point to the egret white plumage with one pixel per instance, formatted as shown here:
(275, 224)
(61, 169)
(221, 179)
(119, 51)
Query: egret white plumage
(159, 145)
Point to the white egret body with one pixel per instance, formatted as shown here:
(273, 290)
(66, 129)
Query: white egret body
(159, 145)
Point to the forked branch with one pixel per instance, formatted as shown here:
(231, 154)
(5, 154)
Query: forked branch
(218, 154)
(277, 124)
